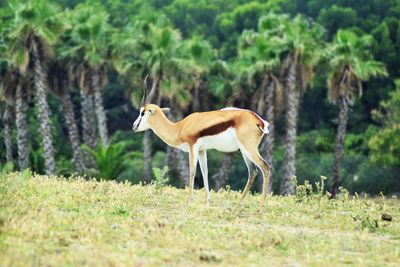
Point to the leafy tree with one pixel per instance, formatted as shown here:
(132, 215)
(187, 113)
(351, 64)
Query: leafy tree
(385, 144)
(336, 17)
(34, 26)
(350, 63)
(242, 16)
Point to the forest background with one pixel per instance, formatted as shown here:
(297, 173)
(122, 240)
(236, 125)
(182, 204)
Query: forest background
(209, 54)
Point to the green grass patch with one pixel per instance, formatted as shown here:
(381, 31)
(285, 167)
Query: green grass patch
(51, 221)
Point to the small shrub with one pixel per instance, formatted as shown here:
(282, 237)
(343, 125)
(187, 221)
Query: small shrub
(160, 178)
(303, 192)
(365, 222)
(6, 168)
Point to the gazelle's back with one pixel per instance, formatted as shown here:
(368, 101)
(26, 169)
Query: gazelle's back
(211, 123)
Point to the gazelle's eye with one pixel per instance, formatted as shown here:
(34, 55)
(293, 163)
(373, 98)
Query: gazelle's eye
(142, 113)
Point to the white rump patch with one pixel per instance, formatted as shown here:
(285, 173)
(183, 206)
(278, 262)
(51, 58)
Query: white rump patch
(265, 130)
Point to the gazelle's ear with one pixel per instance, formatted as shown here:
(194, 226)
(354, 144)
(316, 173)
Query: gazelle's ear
(165, 110)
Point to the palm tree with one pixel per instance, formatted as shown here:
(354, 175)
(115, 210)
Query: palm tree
(166, 61)
(196, 57)
(219, 82)
(261, 53)
(66, 52)
(7, 95)
(159, 44)
(302, 43)
(34, 27)
(200, 57)
(351, 62)
(229, 83)
(59, 80)
(8, 126)
(14, 85)
(127, 63)
(21, 112)
(89, 45)
(89, 135)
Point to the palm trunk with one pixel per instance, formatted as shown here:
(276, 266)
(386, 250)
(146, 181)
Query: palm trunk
(178, 164)
(183, 167)
(177, 160)
(339, 150)
(292, 104)
(222, 176)
(100, 113)
(44, 112)
(171, 159)
(21, 107)
(88, 127)
(203, 96)
(196, 99)
(268, 141)
(8, 124)
(147, 150)
(72, 132)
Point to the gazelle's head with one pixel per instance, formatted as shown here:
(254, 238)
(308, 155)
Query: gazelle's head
(148, 112)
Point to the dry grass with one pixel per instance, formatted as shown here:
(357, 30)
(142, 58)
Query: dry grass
(50, 221)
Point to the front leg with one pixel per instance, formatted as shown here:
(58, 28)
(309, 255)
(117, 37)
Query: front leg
(193, 156)
(204, 172)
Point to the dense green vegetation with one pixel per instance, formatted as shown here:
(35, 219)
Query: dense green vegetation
(322, 72)
(53, 221)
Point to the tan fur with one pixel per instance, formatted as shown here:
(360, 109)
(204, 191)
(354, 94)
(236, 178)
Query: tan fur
(188, 130)
(248, 131)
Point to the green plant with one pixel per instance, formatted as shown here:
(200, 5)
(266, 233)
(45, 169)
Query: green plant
(365, 222)
(320, 186)
(160, 178)
(9, 183)
(6, 168)
(109, 159)
(303, 192)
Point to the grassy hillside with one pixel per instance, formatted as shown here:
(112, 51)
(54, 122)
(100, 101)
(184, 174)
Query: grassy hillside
(49, 221)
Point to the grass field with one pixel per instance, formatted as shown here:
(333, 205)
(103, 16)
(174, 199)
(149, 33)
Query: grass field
(50, 221)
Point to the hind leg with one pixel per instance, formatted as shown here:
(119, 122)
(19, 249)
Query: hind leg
(250, 180)
(249, 148)
(266, 170)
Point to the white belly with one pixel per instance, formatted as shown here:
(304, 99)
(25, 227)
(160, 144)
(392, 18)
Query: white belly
(225, 141)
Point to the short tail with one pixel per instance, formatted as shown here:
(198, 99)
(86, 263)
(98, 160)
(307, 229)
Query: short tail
(265, 128)
(263, 125)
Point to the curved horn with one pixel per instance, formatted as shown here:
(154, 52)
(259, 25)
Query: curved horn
(144, 91)
(152, 91)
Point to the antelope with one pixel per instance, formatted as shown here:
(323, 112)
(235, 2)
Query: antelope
(227, 130)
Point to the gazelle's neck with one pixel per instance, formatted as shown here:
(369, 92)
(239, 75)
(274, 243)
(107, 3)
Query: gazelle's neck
(165, 129)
